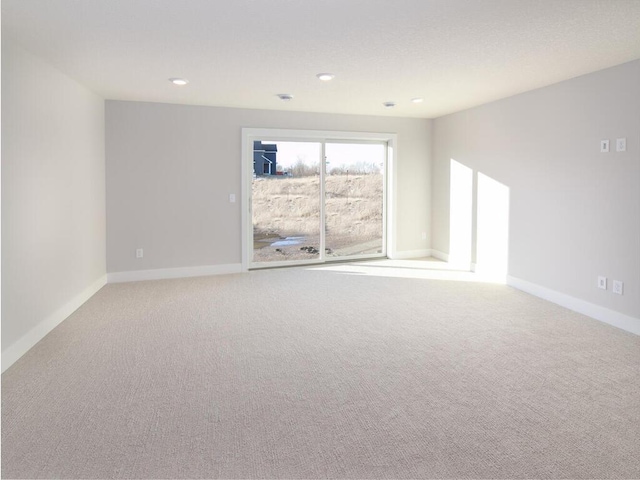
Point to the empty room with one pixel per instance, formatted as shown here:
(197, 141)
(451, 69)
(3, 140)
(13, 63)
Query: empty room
(320, 239)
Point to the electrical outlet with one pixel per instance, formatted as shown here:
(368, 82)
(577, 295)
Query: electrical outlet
(618, 287)
(424, 235)
(232, 198)
(604, 146)
(621, 144)
(602, 283)
(139, 253)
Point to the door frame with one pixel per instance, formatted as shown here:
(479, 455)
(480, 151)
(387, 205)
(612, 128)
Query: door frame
(324, 136)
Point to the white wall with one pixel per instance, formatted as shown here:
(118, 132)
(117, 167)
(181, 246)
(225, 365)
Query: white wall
(575, 212)
(53, 198)
(171, 168)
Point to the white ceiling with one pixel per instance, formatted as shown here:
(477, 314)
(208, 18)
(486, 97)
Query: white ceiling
(241, 53)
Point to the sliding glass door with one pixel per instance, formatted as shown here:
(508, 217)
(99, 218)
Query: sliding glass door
(286, 202)
(354, 199)
(312, 201)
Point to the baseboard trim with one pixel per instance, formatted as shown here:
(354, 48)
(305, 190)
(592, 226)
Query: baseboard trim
(180, 272)
(406, 254)
(617, 319)
(37, 333)
(440, 255)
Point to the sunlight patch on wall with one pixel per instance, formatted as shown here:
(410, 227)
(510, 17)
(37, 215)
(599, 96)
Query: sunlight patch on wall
(461, 211)
(492, 241)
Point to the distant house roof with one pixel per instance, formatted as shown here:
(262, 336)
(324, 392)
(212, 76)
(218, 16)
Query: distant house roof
(258, 146)
(270, 147)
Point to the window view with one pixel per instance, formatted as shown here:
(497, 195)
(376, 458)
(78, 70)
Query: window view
(354, 192)
(287, 203)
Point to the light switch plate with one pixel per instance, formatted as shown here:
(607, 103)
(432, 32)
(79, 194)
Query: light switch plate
(602, 283)
(604, 146)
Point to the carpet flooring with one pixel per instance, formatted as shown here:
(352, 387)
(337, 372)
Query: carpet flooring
(356, 371)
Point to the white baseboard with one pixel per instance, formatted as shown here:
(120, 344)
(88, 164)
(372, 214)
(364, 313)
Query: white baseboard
(440, 255)
(617, 319)
(37, 333)
(180, 272)
(405, 254)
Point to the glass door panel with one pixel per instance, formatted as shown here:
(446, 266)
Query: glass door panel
(286, 202)
(354, 199)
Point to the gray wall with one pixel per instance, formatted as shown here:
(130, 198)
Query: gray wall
(53, 191)
(575, 212)
(171, 168)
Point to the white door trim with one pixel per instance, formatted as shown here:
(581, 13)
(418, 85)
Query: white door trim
(251, 134)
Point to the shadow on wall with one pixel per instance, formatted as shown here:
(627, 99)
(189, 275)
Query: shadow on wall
(490, 205)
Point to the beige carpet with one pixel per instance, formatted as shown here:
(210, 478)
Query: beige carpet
(338, 372)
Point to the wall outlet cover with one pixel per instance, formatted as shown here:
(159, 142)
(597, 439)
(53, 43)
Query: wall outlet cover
(618, 287)
(604, 146)
(621, 144)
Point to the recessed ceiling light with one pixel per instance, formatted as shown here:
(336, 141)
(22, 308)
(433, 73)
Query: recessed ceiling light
(325, 77)
(389, 104)
(417, 100)
(179, 81)
(285, 97)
